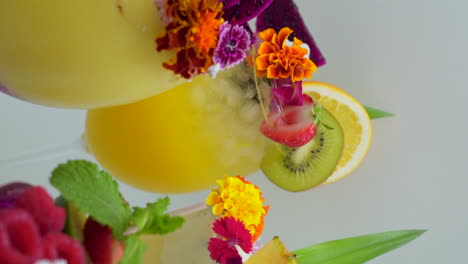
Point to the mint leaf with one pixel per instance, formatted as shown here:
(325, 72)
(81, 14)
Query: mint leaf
(154, 220)
(376, 113)
(134, 249)
(355, 250)
(93, 191)
(317, 113)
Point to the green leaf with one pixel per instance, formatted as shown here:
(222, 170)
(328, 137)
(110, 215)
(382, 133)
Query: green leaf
(376, 113)
(134, 249)
(355, 250)
(93, 191)
(317, 110)
(327, 126)
(154, 220)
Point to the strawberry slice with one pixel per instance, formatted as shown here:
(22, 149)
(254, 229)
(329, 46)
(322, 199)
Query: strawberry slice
(293, 127)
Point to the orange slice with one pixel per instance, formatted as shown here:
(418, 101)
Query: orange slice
(354, 120)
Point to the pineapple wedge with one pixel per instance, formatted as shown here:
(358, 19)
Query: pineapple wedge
(274, 252)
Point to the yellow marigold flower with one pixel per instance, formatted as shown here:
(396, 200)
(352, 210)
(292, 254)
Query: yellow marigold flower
(278, 60)
(238, 198)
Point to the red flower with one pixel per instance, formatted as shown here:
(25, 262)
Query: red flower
(233, 233)
(221, 251)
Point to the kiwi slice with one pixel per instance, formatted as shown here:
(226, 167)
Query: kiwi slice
(299, 169)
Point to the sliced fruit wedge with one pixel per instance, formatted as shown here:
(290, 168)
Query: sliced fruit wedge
(354, 120)
(273, 252)
(299, 169)
(240, 12)
(186, 245)
(293, 127)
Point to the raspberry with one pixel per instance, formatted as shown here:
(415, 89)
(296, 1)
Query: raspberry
(60, 246)
(49, 217)
(20, 242)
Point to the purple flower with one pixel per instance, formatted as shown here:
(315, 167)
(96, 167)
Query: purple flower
(234, 41)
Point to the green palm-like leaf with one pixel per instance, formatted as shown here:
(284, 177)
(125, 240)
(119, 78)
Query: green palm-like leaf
(355, 250)
(376, 113)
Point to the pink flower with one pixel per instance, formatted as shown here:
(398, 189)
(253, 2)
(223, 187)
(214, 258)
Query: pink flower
(233, 233)
(234, 41)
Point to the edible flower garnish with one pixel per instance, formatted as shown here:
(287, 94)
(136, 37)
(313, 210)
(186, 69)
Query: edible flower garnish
(234, 41)
(238, 198)
(285, 13)
(213, 35)
(278, 60)
(192, 31)
(207, 35)
(285, 64)
(233, 235)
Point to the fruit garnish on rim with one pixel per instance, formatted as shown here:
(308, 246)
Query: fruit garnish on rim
(310, 146)
(292, 125)
(354, 120)
(299, 169)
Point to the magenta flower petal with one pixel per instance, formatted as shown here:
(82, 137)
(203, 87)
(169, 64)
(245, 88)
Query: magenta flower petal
(236, 260)
(287, 93)
(233, 232)
(221, 251)
(234, 41)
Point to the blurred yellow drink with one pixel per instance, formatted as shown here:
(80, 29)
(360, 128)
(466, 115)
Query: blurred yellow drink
(189, 244)
(82, 53)
(182, 140)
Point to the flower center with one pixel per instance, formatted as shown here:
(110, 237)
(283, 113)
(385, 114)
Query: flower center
(203, 34)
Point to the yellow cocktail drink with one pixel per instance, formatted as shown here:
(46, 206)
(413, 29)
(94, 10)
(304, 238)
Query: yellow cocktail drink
(82, 53)
(183, 139)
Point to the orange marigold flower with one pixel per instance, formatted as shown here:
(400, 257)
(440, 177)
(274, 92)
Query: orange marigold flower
(193, 33)
(278, 60)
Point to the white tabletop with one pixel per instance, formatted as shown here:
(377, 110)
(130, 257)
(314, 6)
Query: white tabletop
(406, 56)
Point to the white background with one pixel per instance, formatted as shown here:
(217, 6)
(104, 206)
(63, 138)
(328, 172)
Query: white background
(405, 56)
